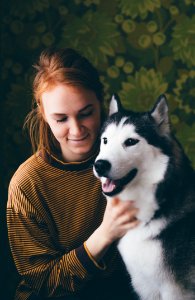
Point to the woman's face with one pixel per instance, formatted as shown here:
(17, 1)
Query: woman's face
(73, 114)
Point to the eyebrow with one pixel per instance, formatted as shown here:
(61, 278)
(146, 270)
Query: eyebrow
(80, 111)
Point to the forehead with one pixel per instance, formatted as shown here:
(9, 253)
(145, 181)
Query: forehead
(64, 98)
(120, 129)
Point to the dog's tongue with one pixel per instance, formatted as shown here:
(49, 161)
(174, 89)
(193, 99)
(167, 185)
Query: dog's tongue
(108, 185)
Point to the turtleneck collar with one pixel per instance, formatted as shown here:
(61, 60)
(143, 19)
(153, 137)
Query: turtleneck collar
(69, 166)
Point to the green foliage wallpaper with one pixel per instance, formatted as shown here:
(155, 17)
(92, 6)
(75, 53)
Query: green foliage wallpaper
(142, 48)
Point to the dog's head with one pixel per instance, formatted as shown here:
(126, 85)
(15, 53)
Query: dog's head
(132, 145)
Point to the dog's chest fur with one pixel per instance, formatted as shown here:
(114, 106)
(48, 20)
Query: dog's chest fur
(143, 256)
(141, 253)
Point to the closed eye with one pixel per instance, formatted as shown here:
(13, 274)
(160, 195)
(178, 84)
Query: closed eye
(86, 114)
(64, 119)
(130, 142)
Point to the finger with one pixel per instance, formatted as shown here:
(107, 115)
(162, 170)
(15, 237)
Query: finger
(131, 225)
(133, 212)
(129, 216)
(127, 204)
(124, 208)
(115, 201)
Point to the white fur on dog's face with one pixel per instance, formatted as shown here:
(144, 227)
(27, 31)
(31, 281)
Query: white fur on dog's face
(121, 158)
(124, 158)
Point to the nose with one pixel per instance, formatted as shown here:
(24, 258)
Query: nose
(75, 128)
(102, 167)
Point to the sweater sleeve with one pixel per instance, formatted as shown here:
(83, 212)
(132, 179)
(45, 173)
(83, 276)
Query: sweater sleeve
(46, 269)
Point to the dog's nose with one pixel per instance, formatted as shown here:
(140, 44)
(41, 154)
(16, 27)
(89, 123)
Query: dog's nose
(102, 167)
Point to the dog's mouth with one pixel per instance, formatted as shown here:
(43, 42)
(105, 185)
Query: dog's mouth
(113, 187)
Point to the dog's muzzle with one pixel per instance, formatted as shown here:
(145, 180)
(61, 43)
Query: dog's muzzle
(110, 186)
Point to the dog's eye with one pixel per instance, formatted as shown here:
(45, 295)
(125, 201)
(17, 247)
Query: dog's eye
(105, 140)
(130, 142)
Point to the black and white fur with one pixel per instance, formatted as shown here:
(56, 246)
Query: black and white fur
(141, 160)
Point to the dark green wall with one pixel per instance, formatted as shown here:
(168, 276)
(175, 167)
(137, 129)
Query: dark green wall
(142, 48)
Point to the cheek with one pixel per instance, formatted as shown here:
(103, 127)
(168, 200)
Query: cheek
(60, 133)
(59, 130)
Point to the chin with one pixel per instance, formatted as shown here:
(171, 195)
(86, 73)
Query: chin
(82, 151)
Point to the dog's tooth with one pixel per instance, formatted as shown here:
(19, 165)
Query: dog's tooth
(103, 179)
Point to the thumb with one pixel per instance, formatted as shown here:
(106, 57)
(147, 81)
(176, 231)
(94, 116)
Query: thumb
(115, 201)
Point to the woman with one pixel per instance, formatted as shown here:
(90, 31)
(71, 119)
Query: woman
(62, 234)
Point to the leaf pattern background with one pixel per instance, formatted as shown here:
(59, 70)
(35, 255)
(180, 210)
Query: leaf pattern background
(141, 49)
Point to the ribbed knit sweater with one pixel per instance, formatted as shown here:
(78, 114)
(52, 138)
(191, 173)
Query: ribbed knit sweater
(53, 207)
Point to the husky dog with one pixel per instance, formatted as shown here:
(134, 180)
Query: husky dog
(141, 160)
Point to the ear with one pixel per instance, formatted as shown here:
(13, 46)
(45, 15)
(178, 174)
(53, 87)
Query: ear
(115, 105)
(160, 115)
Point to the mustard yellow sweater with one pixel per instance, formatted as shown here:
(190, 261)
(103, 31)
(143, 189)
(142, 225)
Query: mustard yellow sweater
(53, 207)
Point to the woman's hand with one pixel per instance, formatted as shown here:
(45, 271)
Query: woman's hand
(119, 217)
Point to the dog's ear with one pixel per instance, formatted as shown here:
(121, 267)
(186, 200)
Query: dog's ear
(115, 105)
(160, 115)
